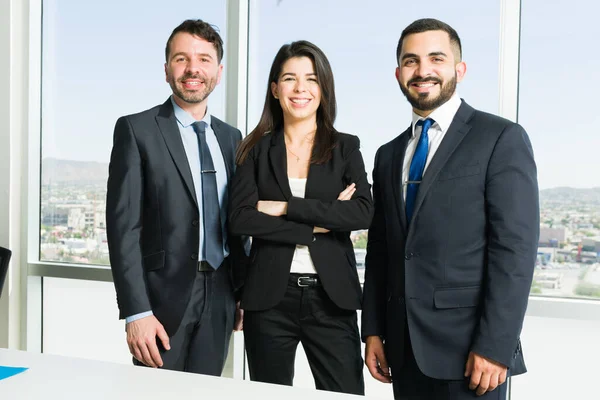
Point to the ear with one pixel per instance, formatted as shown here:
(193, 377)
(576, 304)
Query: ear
(166, 73)
(461, 70)
(398, 75)
(220, 73)
(274, 90)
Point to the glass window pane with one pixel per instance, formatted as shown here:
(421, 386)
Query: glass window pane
(95, 70)
(565, 142)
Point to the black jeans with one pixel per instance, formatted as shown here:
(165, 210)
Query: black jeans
(328, 334)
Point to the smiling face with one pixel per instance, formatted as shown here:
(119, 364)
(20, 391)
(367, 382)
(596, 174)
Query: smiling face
(192, 69)
(428, 70)
(297, 89)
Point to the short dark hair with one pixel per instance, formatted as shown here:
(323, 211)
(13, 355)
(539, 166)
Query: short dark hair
(272, 114)
(426, 25)
(197, 27)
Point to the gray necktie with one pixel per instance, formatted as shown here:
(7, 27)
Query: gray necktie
(211, 213)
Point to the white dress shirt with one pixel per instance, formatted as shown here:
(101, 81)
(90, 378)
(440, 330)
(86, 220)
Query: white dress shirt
(443, 116)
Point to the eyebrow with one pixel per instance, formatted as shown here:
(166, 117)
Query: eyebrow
(181, 53)
(432, 54)
(293, 74)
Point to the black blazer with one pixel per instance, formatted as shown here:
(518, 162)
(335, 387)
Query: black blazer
(460, 275)
(152, 215)
(263, 176)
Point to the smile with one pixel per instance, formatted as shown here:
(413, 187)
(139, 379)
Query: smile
(298, 103)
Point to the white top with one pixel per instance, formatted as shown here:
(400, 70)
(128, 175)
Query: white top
(443, 116)
(302, 262)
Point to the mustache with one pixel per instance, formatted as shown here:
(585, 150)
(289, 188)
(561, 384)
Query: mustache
(191, 76)
(424, 80)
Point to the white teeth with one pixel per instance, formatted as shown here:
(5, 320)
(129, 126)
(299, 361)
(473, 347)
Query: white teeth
(425, 84)
(300, 101)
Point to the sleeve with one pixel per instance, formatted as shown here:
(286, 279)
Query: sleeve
(124, 205)
(337, 215)
(374, 290)
(138, 316)
(513, 220)
(245, 219)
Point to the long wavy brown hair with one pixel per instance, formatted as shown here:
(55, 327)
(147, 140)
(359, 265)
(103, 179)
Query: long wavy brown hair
(272, 114)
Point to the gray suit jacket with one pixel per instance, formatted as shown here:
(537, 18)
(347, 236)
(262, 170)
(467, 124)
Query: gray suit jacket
(459, 276)
(152, 215)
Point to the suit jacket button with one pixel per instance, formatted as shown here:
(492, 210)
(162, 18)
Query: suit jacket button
(408, 256)
(194, 256)
(195, 223)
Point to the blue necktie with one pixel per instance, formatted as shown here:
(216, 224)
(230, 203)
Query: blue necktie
(417, 166)
(211, 213)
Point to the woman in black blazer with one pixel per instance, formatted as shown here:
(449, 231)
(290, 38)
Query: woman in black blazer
(299, 189)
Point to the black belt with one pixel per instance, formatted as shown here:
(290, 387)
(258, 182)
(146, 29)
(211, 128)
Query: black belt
(304, 280)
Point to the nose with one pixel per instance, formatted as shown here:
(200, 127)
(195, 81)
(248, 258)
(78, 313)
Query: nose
(300, 86)
(193, 66)
(424, 70)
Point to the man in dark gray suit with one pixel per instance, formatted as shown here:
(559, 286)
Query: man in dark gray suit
(453, 242)
(174, 267)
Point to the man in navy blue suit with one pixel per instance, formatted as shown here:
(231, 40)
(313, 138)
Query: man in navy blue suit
(453, 242)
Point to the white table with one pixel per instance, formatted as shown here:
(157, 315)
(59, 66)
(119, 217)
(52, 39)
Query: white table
(55, 377)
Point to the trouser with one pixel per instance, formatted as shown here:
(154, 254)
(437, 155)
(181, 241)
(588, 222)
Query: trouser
(329, 336)
(201, 342)
(411, 384)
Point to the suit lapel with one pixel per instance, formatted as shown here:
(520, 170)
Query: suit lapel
(278, 160)
(397, 184)
(168, 128)
(224, 144)
(456, 133)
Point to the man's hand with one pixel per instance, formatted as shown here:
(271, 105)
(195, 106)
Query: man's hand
(274, 208)
(347, 193)
(239, 318)
(486, 374)
(141, 338)
(375, 360)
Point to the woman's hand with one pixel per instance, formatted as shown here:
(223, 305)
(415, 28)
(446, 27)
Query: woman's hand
(274, 208)
(347, 193)
(317, 229)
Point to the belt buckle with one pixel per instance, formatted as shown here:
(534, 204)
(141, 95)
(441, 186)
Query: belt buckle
(302, 284)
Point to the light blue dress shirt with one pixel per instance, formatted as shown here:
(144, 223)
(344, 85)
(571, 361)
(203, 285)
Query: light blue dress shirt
(192, 151)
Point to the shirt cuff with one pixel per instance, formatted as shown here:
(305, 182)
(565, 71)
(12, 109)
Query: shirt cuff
(138, 316)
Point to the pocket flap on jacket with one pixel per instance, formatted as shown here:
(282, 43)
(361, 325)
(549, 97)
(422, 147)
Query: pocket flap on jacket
(460, 172)
(154, 261)
(456, 297)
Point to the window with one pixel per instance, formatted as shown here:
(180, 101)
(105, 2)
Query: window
(558, 108)
(92, 73)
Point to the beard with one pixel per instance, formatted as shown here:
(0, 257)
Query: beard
(195, 96)
(424, 101)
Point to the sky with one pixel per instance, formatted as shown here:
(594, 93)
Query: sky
(105, 59)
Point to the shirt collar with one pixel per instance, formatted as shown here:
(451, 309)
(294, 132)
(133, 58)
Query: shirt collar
(443, 115)
(184, 118)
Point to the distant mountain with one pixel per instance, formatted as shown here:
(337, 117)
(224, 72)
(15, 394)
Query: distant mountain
(68, 171)
(573, 195)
